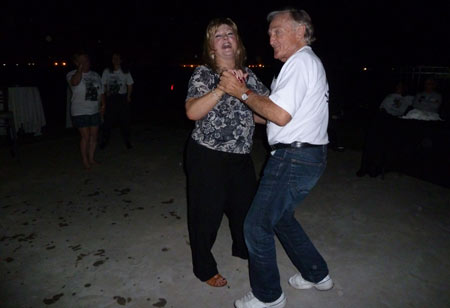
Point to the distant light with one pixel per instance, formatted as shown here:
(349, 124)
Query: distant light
(17, 64)
(364, 68)
(4, 64)
(192, 65)
(55, 63)
(32, 63)
(63, 63)
(171, 87)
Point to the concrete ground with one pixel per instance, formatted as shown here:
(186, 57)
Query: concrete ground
(116, 235)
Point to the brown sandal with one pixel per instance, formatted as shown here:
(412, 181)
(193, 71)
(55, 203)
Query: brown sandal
(217, 281)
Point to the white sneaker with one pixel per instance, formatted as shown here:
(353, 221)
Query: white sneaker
(298, 282)
(250, 301)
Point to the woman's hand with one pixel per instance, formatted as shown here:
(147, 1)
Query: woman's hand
(240, 75)
(231, 83)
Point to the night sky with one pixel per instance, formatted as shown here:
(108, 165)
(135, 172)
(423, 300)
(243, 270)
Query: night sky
(171, 32)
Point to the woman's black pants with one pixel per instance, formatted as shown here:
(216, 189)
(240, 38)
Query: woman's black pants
(218, 183)
(117, 110)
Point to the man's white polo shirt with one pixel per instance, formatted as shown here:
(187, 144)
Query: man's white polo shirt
(301, 89)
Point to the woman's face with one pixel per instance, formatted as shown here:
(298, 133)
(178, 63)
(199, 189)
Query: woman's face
(116, 60)
(224, 43)
(84, 61)
(429, 85)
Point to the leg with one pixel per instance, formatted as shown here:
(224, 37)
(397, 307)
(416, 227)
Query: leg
(288, 177)
(110, 117)
(240, 193)
(93, 135)
(304, 173)
(84, 146)
(259, 233)
(205, 207)
(300, 249)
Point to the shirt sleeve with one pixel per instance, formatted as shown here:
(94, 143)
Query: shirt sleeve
(105, 76)
(69, 76)
(291, 86)
(101, 89)
(129, 79)
(200, 82)
(255, 84)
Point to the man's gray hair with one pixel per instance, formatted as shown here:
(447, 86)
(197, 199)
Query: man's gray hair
(300, 17)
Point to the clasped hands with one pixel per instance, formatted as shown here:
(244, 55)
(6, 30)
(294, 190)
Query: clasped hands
(233, 82)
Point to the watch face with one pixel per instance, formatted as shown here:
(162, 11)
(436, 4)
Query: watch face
(244, 96)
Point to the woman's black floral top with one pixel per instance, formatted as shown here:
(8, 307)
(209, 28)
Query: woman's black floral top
(229, 126)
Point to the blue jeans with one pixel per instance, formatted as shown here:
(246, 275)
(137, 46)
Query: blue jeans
(288, 177)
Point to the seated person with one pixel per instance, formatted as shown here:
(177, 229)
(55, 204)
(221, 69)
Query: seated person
(428, 100)
(396, 103)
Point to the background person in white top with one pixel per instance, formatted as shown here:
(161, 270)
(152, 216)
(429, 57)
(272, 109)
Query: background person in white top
(428, 100)
(87, 93)
(297, 119)
(397, 103)
(118, 85)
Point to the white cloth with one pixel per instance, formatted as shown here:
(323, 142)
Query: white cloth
(86, 95)
(428, 101)
(395, 104)
(301, 89)
(26, 105)
(116, 82)
(417, 114)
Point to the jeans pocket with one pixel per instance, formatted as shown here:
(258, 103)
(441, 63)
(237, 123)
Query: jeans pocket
(303, 177)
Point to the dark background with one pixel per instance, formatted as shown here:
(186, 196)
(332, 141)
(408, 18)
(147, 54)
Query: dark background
(158, 36)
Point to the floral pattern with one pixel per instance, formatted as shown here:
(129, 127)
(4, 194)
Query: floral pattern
(229, 126)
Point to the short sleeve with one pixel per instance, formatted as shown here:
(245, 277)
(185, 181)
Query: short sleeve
(101, 89)
(129, 79)
(255, 84)
(201, 82)
(105, 76)
(69, 76)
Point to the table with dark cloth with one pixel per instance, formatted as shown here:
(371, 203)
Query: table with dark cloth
(415, 147)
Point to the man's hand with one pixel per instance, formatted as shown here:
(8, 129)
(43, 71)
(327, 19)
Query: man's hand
(233, 83)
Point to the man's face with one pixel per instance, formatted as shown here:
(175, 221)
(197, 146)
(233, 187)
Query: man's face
(286, 36)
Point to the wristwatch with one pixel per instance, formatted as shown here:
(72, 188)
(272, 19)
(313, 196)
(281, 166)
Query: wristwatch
(244, 96)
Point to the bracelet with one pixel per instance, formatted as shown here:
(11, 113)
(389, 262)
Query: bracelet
(215, 94)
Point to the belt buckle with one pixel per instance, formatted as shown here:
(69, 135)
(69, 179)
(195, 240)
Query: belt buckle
(296, 144)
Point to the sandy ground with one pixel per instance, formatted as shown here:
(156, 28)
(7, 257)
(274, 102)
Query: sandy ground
(117, 236)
